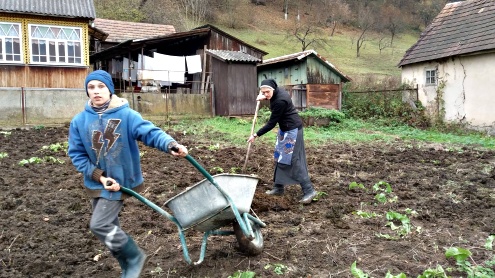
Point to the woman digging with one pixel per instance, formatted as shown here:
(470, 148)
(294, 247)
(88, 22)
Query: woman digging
(290, 157)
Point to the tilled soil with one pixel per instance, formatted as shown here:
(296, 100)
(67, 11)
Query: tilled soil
(44, 212)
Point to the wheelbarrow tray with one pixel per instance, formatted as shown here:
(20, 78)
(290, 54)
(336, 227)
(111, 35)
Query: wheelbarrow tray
(204, 208)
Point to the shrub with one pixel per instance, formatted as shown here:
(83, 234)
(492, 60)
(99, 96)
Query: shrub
(321, 116)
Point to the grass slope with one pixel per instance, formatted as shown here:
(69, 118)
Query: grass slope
(267, 30)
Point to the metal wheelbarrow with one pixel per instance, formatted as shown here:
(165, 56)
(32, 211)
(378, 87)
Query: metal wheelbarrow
(212, 203)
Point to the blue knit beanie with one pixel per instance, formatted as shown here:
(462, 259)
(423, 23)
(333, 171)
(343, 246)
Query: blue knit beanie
(102, 76)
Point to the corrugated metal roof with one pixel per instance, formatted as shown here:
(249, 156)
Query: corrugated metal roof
(233, 56)
(460, 28)
(58, 8)
(120, 31)
(302, 55)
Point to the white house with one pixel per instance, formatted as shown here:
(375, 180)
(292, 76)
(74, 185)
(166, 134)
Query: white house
(453, 64)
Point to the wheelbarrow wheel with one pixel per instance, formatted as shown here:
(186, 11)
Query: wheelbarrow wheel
(251, 247)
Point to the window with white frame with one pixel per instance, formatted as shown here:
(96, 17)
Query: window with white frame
(55, 44)
(10, 42)
(431, 77)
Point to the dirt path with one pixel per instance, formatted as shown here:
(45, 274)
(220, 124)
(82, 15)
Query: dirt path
(44, 212)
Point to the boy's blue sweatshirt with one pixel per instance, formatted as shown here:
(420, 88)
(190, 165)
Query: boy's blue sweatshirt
(107, 144)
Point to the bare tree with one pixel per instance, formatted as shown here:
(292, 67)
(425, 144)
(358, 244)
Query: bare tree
(366, 22)
(391, 20)
(384, 43)
(307, 35)
(337, 11)
(192, 13)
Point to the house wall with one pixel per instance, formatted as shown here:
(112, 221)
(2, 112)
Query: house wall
(322, 86)
(306, 71)
(219, 40)
(284, 73)
(320, 74)
(25, 20)
(465, 85)
(324, 95)
(44, 76)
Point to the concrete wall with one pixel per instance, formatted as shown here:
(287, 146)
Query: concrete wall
(35, 106)
(467, 93)
(159, 106)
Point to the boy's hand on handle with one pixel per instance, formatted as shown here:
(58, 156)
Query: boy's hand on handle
(179, 150)
(110, 184)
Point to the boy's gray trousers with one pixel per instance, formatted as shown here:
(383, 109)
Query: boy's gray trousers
(105, 223)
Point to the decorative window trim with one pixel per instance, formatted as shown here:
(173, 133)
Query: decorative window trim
(431, 77)
(56, 45)
(11, 46)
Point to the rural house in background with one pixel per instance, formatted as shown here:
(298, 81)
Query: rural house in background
(453, 63)
(218, 55)
(44, 53)
(120, 31)
(310, 79)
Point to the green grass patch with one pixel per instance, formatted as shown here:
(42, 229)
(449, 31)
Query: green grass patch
(235, 131)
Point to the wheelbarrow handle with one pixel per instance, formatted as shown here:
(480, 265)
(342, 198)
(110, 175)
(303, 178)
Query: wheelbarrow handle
(196, 165)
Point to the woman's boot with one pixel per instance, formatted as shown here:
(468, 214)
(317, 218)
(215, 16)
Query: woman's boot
(278, 190)
(308, 192)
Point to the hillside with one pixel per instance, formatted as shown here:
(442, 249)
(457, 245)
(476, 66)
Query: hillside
(333, 28)
(267, 31)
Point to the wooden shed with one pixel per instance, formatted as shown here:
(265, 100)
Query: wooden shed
(231, 73)
(311, 80)
(235, 95)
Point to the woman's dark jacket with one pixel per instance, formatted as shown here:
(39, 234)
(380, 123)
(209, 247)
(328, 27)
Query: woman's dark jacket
(283, 112)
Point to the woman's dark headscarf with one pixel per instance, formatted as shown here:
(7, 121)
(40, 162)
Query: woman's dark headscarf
(269, 83)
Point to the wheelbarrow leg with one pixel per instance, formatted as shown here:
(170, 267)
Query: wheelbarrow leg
(173, 219)
(202, 252)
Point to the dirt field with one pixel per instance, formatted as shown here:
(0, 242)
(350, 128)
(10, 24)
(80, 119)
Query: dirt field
(44, 213)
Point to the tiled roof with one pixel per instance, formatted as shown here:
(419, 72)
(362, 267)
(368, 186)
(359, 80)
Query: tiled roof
(120, 31)
(302, 55)
(233, 56)
(58, 8)
(460, 28)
